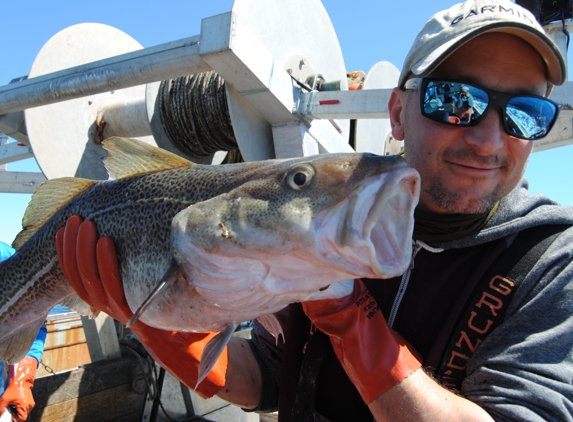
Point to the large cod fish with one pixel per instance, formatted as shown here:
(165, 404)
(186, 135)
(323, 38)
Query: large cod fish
(246, 239)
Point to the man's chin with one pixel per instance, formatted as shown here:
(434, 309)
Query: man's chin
(462, 201)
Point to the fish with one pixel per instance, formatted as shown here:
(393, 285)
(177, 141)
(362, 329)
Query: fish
(229, 243)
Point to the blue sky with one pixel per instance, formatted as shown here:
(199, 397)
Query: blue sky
(368, 31)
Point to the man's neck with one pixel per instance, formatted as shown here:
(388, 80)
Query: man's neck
(431, 226)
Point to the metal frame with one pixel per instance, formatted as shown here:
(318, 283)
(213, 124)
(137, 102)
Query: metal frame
(303, 122)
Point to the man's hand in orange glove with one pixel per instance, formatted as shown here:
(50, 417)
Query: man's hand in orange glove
(92, 268)
(18, 393)
(373, 355)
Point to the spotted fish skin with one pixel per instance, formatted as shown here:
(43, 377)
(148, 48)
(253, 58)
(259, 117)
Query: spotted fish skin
(136, 211)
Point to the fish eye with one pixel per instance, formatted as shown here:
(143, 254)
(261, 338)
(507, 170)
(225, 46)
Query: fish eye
(299, 177)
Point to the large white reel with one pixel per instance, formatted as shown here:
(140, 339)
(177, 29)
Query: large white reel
(64, 135)
(61, 134)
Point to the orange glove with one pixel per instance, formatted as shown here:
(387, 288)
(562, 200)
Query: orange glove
(18, 393)
(373, 355)
(92, 268)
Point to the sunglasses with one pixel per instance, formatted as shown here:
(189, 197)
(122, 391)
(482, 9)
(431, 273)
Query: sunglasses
(460, 104)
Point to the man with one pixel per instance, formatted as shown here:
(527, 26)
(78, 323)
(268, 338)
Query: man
(473, 205)
(16, 390)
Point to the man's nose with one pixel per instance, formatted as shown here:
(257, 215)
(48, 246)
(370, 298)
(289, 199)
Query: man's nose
(488, 136)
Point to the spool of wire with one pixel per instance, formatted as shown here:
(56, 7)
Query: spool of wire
(195, 115)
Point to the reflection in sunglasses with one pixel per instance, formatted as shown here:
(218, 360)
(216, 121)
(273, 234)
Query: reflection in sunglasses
(457, 103)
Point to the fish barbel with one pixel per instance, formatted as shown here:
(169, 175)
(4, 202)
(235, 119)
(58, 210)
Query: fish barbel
(247, 239)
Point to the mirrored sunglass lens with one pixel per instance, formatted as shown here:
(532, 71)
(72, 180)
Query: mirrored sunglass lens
(453, 102)
(529, 118)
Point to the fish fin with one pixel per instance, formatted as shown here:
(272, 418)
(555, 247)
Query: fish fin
(14, 347)
(272, 325)
(46, 201)
(168, 279)
(129, 156)
(76, 304)
(213, 350)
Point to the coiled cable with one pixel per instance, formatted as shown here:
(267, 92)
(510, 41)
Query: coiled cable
(194, 113)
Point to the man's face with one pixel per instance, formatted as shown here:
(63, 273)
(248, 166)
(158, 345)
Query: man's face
(467, 169)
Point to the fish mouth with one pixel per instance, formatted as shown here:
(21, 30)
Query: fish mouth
(374, 235)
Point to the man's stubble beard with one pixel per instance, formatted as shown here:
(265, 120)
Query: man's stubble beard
(454, 201)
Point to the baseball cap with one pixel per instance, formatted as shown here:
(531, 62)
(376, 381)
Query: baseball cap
(449, 29)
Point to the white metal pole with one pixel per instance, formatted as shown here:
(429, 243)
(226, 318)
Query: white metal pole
(140, 67)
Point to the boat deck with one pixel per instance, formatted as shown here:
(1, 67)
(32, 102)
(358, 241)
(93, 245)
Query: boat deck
(70, 387)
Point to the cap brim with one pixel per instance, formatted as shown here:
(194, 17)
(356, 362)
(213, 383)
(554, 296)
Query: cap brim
(549, 52)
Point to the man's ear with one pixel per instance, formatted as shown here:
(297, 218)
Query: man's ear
(396, 109)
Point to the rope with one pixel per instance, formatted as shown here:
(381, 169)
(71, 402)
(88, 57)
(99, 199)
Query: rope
(150, 376)
(147, 366)
(194, 114)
